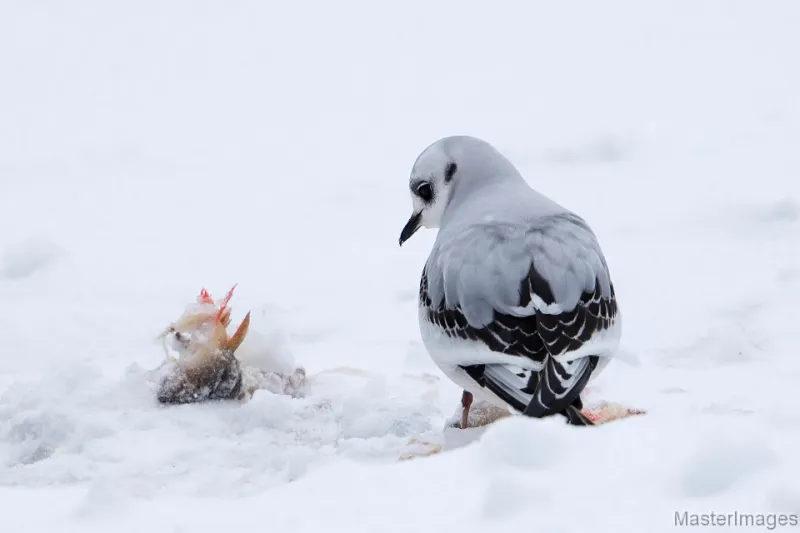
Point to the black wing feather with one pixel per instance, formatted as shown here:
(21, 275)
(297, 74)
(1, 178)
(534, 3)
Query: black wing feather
(539, 337)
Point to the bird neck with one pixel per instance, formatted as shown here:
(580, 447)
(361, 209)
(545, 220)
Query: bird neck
(475, 197)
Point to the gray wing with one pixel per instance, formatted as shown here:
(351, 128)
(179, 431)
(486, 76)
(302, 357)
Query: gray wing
(541, 292)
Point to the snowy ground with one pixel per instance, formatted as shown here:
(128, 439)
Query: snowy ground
(148, 149)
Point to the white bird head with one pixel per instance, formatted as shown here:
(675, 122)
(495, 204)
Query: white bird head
(450, 167)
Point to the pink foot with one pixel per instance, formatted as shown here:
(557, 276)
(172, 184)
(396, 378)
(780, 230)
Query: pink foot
(609, 411)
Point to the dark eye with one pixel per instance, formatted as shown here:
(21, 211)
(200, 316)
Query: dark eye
(425, 192)
(450, 171)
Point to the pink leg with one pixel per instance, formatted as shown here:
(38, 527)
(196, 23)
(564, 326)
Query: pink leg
(466, 402)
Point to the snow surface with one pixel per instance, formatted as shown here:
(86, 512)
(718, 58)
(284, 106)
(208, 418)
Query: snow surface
(148, 149)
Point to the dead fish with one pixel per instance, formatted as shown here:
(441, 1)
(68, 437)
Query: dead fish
(207, 367)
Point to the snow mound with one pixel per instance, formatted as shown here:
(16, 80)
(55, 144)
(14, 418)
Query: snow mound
(75, 425)
(626, 476)
(27, 257)
(267, 345)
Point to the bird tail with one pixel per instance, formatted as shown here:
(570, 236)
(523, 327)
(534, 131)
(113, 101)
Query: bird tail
(556, 389)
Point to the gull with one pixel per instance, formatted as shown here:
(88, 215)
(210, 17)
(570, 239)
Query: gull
(516, 303)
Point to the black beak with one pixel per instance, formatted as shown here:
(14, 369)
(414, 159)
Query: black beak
(411, 227)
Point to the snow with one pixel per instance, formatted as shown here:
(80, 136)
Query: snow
(149, 149)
